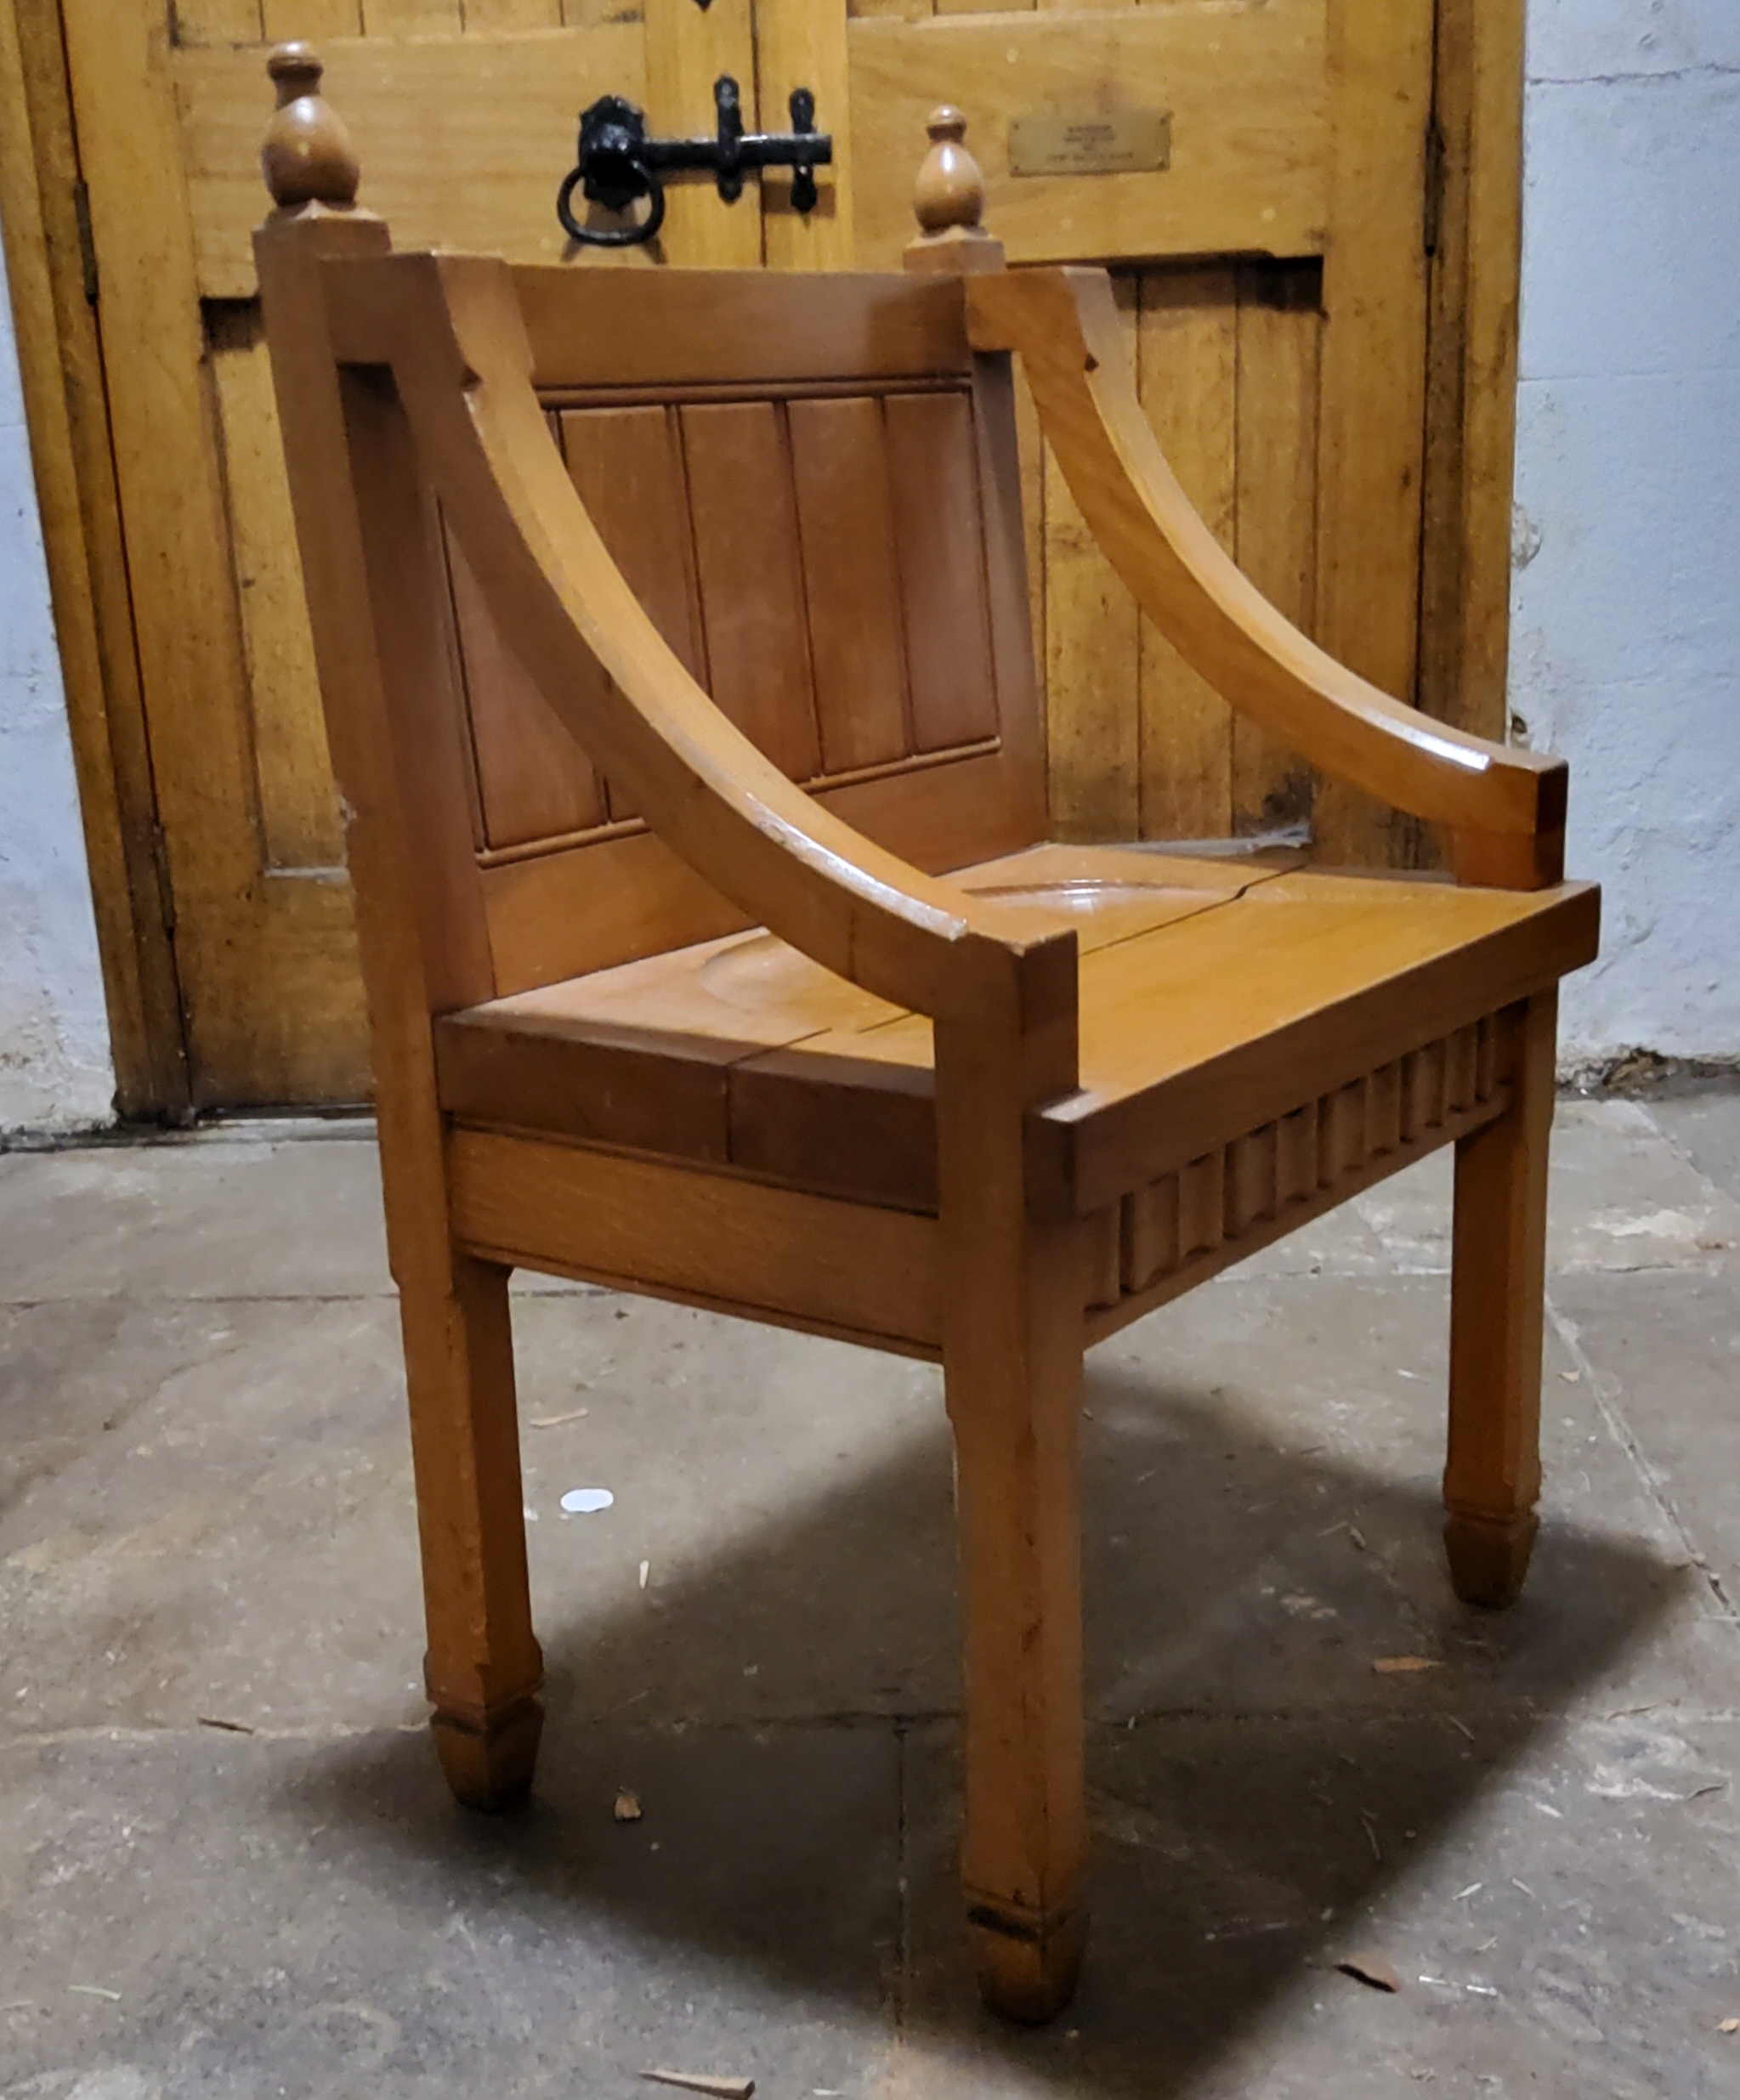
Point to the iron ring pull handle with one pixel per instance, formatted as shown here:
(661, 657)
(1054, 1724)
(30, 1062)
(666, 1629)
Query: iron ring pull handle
(618, 164)
(648, 186)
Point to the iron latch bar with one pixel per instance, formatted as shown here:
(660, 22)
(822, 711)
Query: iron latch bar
(618, 164)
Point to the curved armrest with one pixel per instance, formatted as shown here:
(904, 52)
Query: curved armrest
(463, 368)
(1507, 808)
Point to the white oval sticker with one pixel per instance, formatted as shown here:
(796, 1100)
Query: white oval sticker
(584, 1501)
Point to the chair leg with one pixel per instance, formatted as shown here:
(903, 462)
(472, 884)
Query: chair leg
(484, 1668)
(1012, 1373)
(1492, 1478)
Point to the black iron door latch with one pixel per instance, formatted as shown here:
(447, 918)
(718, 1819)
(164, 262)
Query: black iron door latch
(619, 165)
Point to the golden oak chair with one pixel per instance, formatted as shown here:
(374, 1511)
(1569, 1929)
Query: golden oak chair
(672, 632)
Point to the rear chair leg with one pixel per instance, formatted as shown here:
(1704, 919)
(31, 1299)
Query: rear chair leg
(484, 1668)
(1492, 1479)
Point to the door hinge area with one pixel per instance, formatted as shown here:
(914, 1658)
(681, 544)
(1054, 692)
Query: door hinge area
(87, 240)
(1434, 199)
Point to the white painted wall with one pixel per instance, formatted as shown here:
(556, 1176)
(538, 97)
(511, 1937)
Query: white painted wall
(1625, 648)
(54, 1066)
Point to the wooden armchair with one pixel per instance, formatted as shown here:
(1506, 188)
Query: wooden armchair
(673, 633)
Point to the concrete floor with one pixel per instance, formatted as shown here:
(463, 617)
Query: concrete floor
(206, 1517)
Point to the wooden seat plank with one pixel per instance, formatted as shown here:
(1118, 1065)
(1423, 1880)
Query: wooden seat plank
(1214, 996)
(590, 1058)
(1308, 982)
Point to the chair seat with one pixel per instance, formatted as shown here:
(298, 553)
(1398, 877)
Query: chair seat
(1217, 995)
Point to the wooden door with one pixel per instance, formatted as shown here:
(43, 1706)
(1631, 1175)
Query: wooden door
(1272, 278)
(465, 116)
(1273, 273)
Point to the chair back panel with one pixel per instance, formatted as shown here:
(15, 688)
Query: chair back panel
(836, 556)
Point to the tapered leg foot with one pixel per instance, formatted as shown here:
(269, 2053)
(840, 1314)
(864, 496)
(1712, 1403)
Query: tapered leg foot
(483, 1669)
(1488, 1562)
(490, 1766)
(1027, 1971)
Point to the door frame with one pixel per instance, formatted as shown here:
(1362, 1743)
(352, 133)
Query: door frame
(1472, 243)
(55, 292)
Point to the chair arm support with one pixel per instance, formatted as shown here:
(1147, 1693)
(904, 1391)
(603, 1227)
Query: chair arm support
(1507, 808)
(461, 361)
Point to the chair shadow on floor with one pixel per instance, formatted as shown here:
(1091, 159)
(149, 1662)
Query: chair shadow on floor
(1256, 1783)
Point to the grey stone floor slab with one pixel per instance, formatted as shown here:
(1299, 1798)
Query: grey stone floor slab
(231, 1916)
(206, 1516)
(245, 1217)
(243, 1547)
(1557, 1904)
(1624, 1197)
(1665, 1353)
(1264, 1516)
(1706, 1130)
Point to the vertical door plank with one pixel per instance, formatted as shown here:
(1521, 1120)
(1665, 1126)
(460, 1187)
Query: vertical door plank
(216, 21)
(1372, 412)
(627, 464)
(533, 780)
(1092, 656)
(66, 408)
(751, 586)
(168, 480)
(939, 527)
(1471, 388)
(299, 809)
(686, 49)
(802, 43)
(1188, 376)
(283, 19)
(846, 521)
(1279, 333)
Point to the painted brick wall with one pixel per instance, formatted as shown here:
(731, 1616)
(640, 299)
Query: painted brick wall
(1625, 649)
(54, 1068)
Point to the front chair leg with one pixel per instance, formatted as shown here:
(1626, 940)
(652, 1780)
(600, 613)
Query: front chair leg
(1498, 1286)
(484, 1668)
(1013, 1380)
(1012, 1338)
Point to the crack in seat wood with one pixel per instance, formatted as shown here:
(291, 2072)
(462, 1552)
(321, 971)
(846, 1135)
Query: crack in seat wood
(671, 633)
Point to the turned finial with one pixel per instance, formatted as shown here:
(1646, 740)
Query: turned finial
(951, 191)
(949, 201)
(308, 157)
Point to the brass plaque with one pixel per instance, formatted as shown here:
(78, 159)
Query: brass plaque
(1128, 142)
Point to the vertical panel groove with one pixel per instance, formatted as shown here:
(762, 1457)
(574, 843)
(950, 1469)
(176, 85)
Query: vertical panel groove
(806, 622)
(851, 587)
(939, 520)
(743, 503)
